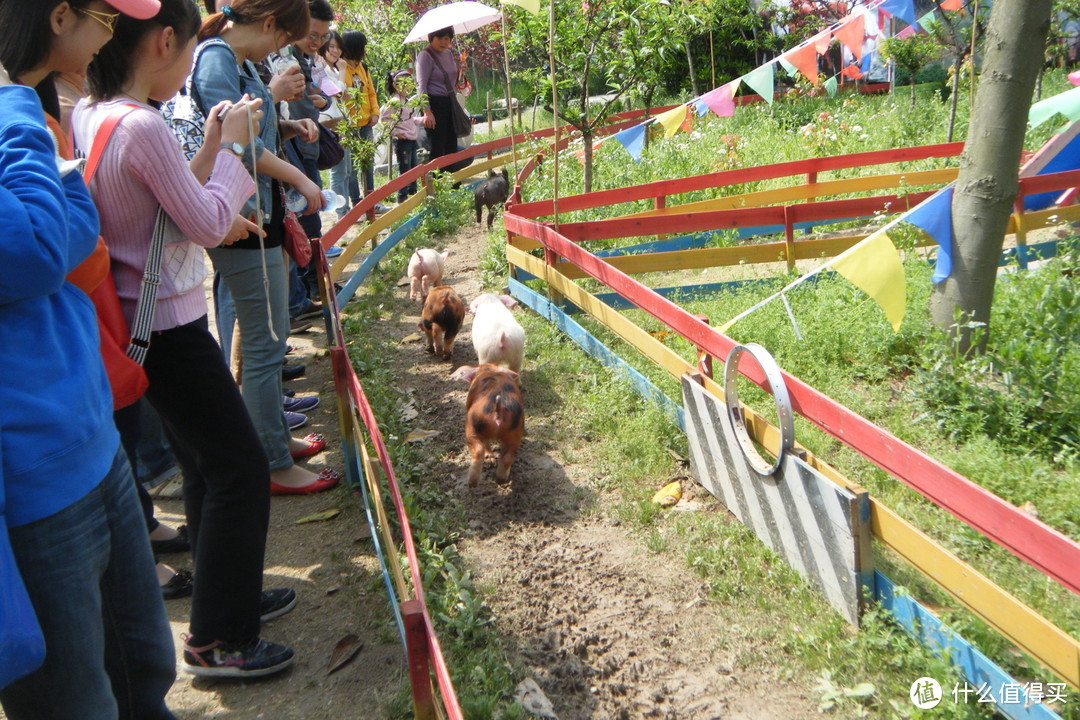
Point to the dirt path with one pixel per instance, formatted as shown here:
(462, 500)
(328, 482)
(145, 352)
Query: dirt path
(608, 630)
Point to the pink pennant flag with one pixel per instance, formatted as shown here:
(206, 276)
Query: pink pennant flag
(852, 34)
(805, 60)
(951, 4)
(721, 100)
(821, 42)
(1074, 77)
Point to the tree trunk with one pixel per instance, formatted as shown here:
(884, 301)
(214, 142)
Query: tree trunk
(954, 98)
(693, 74)
(586, 180)
(989, 167)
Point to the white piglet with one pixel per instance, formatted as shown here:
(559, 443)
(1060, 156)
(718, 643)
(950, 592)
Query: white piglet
(425, 272)
(496, 335)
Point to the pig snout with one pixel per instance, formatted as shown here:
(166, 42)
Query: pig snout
(441, 320)
(494, 413)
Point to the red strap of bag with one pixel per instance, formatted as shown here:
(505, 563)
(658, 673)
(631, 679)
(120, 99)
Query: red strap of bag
(101, 139)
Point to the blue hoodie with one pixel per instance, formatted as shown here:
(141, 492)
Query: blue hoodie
(57, 437)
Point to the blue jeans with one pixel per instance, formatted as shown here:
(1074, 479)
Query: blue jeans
(257, 309)
(344, 183)
(406, 161)
(90, 575)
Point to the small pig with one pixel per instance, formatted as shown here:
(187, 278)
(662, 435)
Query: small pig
(441, 319)
(425, 271)
(496, 335)
(493, 413)
(491, 192)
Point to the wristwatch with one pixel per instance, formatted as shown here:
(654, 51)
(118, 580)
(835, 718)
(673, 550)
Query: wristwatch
(235, 148)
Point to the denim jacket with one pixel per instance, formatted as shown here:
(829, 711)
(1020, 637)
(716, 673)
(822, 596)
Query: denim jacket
(217, 77)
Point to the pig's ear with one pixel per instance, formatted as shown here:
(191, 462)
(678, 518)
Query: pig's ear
(508, 301)
(445, 254)
(465, 372)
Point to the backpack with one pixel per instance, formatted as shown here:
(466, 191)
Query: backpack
(182, 112)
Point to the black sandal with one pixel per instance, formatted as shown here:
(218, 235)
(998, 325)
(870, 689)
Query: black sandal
(180, 543)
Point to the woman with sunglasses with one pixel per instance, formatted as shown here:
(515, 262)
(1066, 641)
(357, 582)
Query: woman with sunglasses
(74, 522)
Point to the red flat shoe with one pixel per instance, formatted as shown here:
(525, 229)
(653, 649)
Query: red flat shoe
(316, 444)
(327, 479)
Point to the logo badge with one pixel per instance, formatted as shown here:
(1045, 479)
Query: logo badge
(925, 693)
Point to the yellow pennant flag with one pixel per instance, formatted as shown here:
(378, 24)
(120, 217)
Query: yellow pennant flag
(672, 120)
(532, 6)
(874, 267)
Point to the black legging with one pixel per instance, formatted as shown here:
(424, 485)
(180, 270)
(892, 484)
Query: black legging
(443, 139)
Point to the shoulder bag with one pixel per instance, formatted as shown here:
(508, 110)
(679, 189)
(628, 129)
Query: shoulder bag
(462, 122)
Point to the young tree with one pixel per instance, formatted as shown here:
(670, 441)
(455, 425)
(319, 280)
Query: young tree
(987, 185)
(610, 45)
(911, 54)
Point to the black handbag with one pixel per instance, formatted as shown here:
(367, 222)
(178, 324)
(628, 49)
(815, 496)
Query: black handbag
(461, 121)
(330, 150)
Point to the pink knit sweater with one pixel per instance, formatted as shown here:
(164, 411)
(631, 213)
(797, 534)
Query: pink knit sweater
(143, 168)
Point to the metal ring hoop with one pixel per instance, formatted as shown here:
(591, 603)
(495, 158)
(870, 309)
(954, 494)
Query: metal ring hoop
(780, 395)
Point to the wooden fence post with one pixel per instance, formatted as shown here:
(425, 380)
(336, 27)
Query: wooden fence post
(789, 238)
(416, 646)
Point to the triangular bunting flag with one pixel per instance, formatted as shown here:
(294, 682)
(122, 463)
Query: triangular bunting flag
(672, 120)
(873, 265)
(721, 100)
(851, 71)
(532, 6)
(762, 81)
(633, 139)
(821, 42)
(700, 107)
(788, 67)
(805, 58)
(1067, 103)
(830, 86)
(951, 4)
(934, 217)
(852, 34)
(903, 9)
(1074, 77)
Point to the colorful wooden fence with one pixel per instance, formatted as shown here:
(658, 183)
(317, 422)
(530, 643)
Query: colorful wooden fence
(564, 260)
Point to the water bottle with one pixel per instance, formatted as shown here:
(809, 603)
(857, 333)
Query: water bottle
(298, 203)
(333, 200)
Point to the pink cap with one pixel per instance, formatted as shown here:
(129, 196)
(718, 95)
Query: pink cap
(138, 9)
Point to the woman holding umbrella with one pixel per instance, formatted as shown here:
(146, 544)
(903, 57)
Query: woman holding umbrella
(435, 66)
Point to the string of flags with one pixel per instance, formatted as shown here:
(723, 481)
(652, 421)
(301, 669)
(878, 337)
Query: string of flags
(874, 266)
(853, 31)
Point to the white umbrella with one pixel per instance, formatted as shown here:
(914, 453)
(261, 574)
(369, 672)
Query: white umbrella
(462, 16)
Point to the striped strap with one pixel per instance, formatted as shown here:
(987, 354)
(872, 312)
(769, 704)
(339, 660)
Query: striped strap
(148, 290)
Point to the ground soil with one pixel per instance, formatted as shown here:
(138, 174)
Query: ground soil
(606, 628)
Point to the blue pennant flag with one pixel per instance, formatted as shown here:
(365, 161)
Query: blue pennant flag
(700, 107)
(934, 217)
(633, 139)
(903, 9)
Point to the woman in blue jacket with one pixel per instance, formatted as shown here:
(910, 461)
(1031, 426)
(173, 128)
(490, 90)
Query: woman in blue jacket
(75, 525)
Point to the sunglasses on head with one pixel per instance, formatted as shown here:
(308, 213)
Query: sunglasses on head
(106, 19)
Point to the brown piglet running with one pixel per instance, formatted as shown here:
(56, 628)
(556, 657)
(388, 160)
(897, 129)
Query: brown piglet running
(441, 320)
(493, 413)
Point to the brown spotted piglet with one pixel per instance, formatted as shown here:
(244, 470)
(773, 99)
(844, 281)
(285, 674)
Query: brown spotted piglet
(493, 413)
(425, 272)
(441, 320)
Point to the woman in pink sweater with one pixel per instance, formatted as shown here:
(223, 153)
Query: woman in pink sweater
(226, 472)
